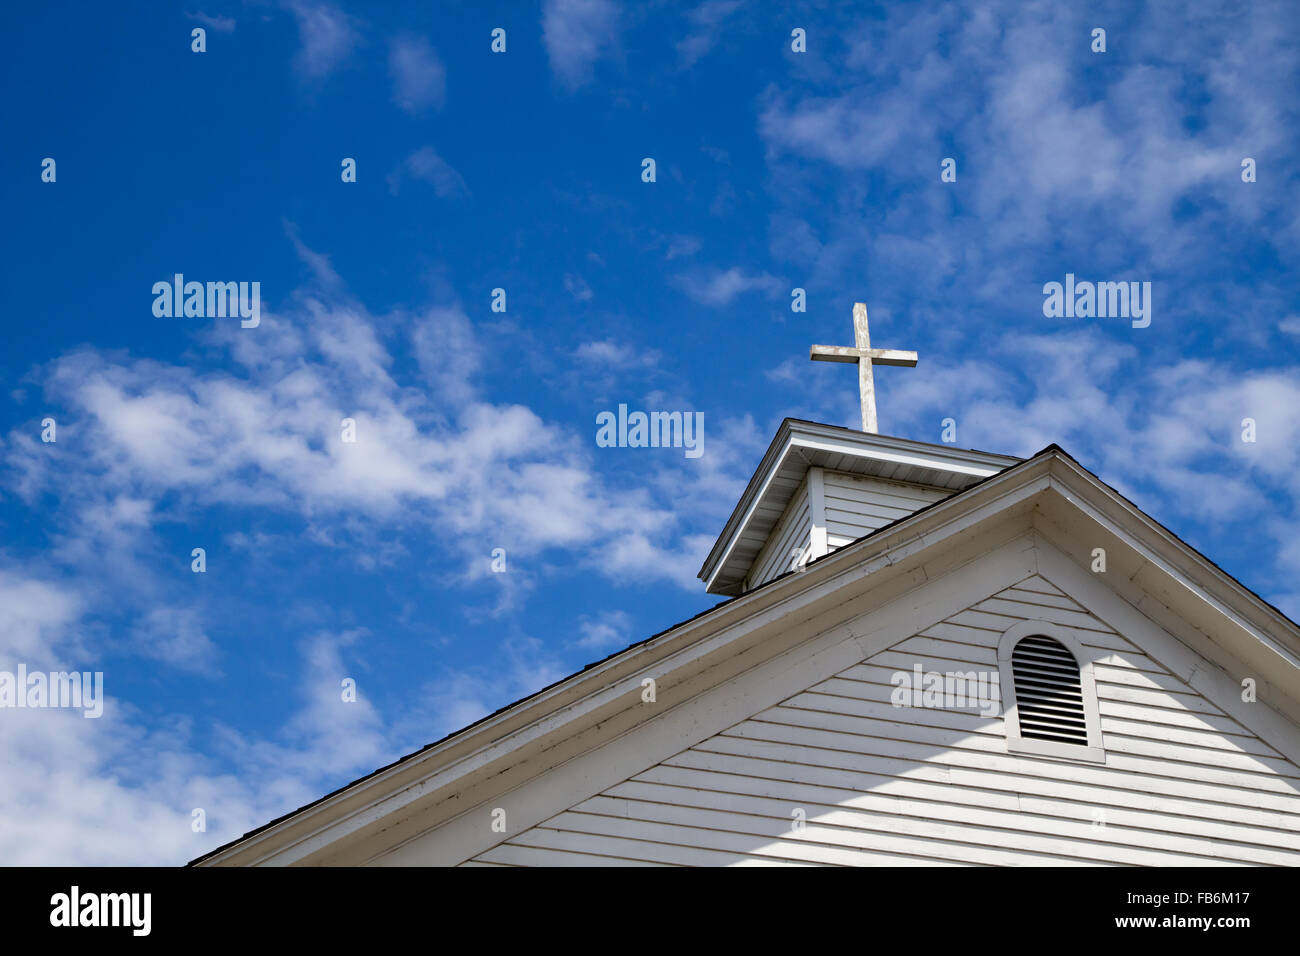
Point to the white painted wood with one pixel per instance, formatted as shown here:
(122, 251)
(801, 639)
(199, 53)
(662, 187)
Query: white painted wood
(831, 509)
(856, 506)
(817, 511)
(935, 783)
(792, 533)
(1182, 781)
(801, 445)
(919, 799)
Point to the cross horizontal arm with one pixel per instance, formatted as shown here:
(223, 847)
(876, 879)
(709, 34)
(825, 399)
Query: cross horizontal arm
(892, 357)
(834, 353)
(845, 353)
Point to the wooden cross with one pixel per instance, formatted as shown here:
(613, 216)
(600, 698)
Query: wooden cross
(864, 355)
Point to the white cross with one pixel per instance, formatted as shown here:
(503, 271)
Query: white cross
(864, 355)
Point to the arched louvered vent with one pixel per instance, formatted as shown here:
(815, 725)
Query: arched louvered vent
(1049, 695)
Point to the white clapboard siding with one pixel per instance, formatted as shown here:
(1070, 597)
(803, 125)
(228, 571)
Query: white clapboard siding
(856, 505)
(837, 775)
(792, 532)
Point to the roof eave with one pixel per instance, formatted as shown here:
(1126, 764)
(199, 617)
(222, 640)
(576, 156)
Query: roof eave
(796, 435)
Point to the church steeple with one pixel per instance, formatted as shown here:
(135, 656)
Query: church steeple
(820, 488)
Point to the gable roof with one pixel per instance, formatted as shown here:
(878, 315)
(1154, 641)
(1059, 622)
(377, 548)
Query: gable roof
(800, 445)
(1050, 489)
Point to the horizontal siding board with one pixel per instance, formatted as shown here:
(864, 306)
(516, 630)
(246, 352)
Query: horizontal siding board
(1151, 680)
(886, 711)
(899, 758)
(1213, 732)
(970, 627)
(844, 485)
(1159, 718)
(642, 852)
(857, 506)
(1021, 612)
(1007, 811)
(984, 734)
(880, 818)
(750, 844)
(1239, 743)
(811, 841)
(848, 828)
(1155, 698)
(935, 645)
(974, 750)
(1034, 599)
(980, 789)
(899, 660)
(1039, 584)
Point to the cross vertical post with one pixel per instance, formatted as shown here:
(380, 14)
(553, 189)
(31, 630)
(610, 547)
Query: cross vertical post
(866, 381)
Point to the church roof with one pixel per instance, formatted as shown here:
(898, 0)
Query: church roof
(1151, 569)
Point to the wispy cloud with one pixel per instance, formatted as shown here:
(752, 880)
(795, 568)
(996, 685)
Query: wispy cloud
(615, 355)
(577, 287)
(268, 438)
(327, 38)
(604, 631)
(578, 33)
(720, 287)
(175, 636)
(419, 78)
(707, 21)
(426, 166)
(682, 246)
(218, 23)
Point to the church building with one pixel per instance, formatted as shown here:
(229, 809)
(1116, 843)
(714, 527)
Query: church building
(926, 656)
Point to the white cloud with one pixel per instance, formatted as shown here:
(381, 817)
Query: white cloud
(718, 287)
(218, 23)
(577, 287)
(266, 436)
(419, 78)
(425, 165)
(110, 791)
(608, 354)
(707, 22)
(1042, 154)
(790, 372)
(327, 36)
(604, 631)
(577, 34)
(34, 616)
(680, 246)
(175, 636)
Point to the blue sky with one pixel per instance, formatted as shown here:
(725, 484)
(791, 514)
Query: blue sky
(476, 429)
